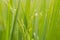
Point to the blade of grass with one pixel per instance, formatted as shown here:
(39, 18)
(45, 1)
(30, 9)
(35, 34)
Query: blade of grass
(44, 22)
(15, 19)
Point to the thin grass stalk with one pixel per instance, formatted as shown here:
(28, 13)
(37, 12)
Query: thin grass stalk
(26, 17)
(54, 18)
(15, 19)
(36, 26)
(49, 16)
(44, 24)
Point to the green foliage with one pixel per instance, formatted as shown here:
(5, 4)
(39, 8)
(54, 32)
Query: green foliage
(29, 19)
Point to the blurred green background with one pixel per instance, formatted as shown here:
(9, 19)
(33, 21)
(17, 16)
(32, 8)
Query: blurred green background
(29, 19)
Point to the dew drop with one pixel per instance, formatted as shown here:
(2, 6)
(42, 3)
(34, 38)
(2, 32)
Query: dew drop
(36, 14)
(14, 9)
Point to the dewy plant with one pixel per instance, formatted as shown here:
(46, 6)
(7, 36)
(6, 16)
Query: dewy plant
(29, 19)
